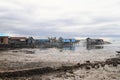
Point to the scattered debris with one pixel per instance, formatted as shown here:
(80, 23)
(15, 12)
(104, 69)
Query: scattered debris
(19, 73)
(30, 52)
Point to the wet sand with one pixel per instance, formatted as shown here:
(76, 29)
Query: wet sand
(108, 70)
(21, 59)
(106, 73)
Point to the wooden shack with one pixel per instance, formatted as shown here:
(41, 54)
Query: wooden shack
(4, 44)
(4, 40)
(94, 41)
(30, 42)
(18, 41)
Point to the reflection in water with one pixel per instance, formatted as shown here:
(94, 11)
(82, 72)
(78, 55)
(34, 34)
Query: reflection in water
(67, 48)
(81, 45)
(89, 47)
(74, 47)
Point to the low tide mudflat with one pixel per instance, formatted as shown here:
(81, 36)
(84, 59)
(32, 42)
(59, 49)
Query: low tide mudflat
(21, 59)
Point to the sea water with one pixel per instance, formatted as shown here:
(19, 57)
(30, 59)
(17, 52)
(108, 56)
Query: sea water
(72, 54)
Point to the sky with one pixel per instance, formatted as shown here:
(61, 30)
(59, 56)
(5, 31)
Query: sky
(66, 18)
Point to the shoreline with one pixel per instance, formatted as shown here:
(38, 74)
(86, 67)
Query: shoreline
(64, 68)
(23, 64)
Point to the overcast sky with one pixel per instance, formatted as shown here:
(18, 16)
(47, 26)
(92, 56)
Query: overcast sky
(67, 18)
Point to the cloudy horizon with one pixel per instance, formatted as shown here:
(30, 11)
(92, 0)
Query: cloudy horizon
(67, 18)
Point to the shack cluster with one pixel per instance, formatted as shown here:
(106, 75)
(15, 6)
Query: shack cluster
(21, 42)
(30, 42)
(95, 41)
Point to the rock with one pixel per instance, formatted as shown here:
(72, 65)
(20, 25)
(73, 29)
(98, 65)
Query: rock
(102, 64)
(88, 61)
(93, 66)
(78, 64)
(47, 79)
(30, 52)
(115, 64)
(97, 66)
(15, 51)
(70, 71)
(87, 67)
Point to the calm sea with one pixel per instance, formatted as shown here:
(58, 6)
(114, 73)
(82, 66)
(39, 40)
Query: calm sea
(73, 54)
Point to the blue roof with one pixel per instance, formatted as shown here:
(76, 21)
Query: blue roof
(66, 40)
(69, 40)
(1, 34)
(43, 40)
(73, 40)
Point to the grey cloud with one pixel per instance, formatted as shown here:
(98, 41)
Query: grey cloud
(106, 19)
(20, 22)
(111, 29)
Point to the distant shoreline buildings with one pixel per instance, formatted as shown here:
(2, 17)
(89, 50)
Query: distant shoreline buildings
(30, 42)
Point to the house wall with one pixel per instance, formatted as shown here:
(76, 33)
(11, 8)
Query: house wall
(95, 41)
(3, 40)
(6, 40)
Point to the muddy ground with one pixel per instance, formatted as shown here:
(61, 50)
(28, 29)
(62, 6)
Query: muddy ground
(106, 73)
(23, 65)
(100, 70)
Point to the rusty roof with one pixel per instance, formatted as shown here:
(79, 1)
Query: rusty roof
(18, 38)
(4, 36)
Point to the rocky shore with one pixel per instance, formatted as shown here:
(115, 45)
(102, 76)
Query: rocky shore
(72, 72)
(51, 64)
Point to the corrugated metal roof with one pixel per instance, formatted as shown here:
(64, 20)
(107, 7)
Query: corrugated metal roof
(66, 40)
(69, 40)
(73, 40)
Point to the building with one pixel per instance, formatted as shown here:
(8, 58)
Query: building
(18, 41)
(30, 42)
(4, 40)
(94, 41)
(69, 40)
(40, 41)
(52, 39)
